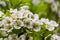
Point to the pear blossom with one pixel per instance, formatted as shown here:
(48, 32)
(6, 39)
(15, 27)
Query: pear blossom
(50, 28)
(17, 24)
(28, 23)
(44, 21)
(54, 7)
(36, 26)
(55, 37)
(51, 25)
(8, 28)
(35, 2)
(7, 21)
(3, 4)
(34, 17)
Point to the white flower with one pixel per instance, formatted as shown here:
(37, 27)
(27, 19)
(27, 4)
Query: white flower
(8, 28)
(44, 21)
(55, 37)
(18, 24)
(50, 28)
(1, 13)
(27, 23)
(33, 16)
(7, 21)
(3, 4)
(54, 7)
(24, 15)
(50, 25)
(36, 26)
(35, 2)
(53, 23)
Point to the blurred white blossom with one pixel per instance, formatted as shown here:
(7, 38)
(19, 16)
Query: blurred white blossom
(17, 24)
(49, 1)
(54, 6)
(3, 4)
(35, 2)
(55, 37)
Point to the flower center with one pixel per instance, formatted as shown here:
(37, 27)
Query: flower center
(32, 17)
(8, 22)
(34, 25)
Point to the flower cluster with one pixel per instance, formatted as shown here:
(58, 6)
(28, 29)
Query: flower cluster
(23, 18)
(50, 25)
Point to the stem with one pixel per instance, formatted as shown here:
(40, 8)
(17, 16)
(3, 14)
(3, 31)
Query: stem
(47, 36)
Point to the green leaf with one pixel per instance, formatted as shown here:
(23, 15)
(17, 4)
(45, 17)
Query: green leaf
(16, 31)
(8, 13)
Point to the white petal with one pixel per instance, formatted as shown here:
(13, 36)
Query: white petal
(36, 16)
(37, 29)
(51, 28)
